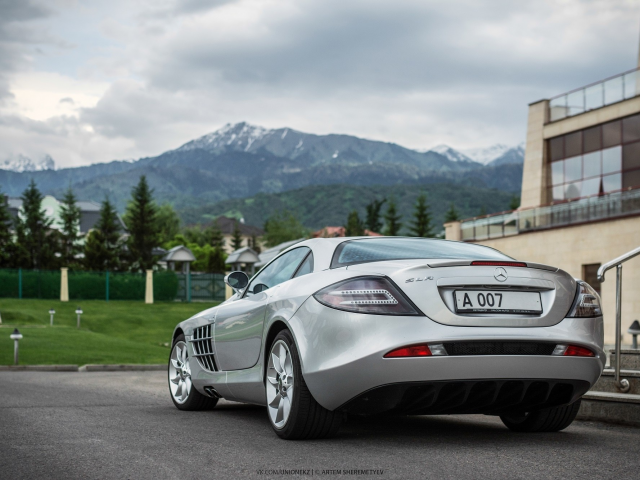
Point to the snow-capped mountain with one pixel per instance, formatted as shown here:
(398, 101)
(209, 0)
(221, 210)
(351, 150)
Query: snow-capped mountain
(20, 163)
(451, 153)
(498, 154)
(313, 150)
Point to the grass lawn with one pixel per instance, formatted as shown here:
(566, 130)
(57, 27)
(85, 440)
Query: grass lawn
(111, 332)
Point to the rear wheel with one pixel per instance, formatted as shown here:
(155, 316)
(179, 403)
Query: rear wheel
(183, 394)
(547, 420)
(293, 412)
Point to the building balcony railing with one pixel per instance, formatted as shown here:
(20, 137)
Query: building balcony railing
(584, 210)
(597, 95)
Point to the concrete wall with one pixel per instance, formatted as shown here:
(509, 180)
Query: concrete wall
(534, 177)
(570, 248)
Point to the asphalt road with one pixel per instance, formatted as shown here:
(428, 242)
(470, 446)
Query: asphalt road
(123, 425)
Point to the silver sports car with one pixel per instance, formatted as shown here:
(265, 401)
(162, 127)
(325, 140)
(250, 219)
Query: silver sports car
(389, 325)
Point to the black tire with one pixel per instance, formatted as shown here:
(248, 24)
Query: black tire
(307, 419)
(547, 420)
(195, 400)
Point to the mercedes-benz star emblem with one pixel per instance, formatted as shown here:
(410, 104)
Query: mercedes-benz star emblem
(500, 274)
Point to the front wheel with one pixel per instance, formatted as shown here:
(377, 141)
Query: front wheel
(547, 420)
(183, 394)
(293, 412)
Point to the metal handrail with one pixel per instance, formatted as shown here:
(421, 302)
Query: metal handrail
(621, 384)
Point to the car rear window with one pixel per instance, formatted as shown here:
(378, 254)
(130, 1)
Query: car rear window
(380, 249)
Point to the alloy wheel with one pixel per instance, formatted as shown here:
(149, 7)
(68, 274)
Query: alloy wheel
(279, 383)
(180, 373)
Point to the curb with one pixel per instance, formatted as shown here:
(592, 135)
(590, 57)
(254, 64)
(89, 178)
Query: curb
(123, 368)
(84, 368)
(39, 368)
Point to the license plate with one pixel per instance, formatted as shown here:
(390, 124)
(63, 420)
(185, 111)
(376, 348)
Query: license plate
(486, 301)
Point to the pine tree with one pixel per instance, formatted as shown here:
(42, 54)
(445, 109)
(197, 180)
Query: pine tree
(392, 219)
(373, 222)
(102, 246)
(514, 204)
(452, 214)
(236, 240)
(6, 240)
(421, 225)
(254, 243)
(70, 219)
(94, 251)
(215, 237)
(354, 227)
(215, 261)
(141, 220)
(39, 247)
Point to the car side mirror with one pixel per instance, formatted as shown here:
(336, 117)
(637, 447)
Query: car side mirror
(237, 280)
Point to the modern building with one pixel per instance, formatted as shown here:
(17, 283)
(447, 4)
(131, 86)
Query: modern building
(580, 203)
(249, 233)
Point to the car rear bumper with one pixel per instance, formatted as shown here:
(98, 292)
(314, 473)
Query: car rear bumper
(342, 357)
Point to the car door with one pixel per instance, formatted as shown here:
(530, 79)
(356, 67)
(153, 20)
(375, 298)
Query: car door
(239, 324)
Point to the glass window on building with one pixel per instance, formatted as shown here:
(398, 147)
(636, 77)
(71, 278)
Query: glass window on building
(590, 275)
(595, 161)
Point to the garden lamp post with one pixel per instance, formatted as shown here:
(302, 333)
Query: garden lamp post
(634, 330)
(15, 336)
(52, 312)
(78, 312)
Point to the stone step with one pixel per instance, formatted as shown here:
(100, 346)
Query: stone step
(606, 381)
(623, 408)
(629, 359)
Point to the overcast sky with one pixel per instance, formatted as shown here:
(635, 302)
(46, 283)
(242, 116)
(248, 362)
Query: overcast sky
(93, 81)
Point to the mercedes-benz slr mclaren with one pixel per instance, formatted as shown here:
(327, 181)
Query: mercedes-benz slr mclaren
(387, 325)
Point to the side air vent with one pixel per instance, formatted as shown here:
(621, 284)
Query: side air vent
(203, 348)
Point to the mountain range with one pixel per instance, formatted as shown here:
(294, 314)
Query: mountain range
(241, 160)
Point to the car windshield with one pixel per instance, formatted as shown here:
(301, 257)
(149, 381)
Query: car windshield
(380, 249)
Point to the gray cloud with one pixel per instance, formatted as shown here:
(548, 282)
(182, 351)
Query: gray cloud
(414, 72)
(17, 37)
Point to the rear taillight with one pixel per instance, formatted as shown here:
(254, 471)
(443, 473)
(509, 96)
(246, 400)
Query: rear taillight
(498, 264)
(572, 351)
(376, 295)
(587, 302)
(422, 350)
(412, 351)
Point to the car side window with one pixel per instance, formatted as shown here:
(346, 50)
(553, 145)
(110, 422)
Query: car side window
(306, 267)
(278, 271)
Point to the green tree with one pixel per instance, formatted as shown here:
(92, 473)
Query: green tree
(103, 247)
(214, 236)
(354, 227)
(283, 227)
(168, 223)
(452, 214)
(254, 244)
(215, 260)
(194, 234)
(236, 239)
(70, 233)
(392, 219)
(141, 219)
(38, 244)
(6, 238)
(372, 221)
(483, 211)
(421, 225)
(514, 203)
